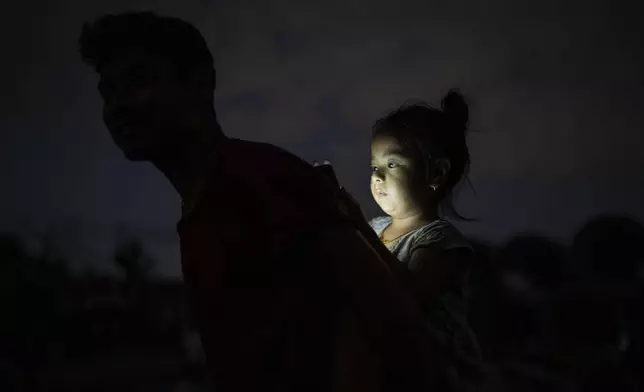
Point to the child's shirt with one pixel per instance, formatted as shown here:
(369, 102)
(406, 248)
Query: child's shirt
(447, 314)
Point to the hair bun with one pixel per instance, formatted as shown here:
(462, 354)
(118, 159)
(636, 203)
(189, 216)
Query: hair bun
(456, 109)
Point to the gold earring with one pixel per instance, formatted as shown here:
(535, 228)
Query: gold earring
(434, 187)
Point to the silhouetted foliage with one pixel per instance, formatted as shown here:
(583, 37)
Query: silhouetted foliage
(540, 261)
(131, 258)
(33, 303)
(609, 249)
(547, 321)
(539, 328)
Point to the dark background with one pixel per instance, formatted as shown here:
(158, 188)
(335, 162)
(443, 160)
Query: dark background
(89, 256)
(555, 90)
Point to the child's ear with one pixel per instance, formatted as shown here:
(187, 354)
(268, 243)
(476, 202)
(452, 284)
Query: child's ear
(440, 171)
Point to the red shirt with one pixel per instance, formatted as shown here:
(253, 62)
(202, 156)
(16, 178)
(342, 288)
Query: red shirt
(265, 310)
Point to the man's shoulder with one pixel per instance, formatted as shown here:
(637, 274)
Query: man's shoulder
(287, 193)
(274, 170)
(263, 153)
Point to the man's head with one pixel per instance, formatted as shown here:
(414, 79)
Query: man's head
(156, 80)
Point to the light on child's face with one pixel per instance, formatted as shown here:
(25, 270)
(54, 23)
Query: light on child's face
(391, 167)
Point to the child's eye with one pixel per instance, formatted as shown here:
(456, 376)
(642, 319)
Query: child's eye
(374, 168)
(392, 165)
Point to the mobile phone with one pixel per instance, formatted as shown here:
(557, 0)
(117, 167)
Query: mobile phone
(328, 172)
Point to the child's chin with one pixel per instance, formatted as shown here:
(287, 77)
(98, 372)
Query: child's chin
(385, 207)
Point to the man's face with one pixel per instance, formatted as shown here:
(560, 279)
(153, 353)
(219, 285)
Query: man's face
(144, 104)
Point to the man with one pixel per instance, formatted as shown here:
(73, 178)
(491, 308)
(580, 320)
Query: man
(277, 276)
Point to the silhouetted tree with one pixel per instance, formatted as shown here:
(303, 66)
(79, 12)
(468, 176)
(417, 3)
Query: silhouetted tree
(608, 249)
(32, 298)
(508, 285)
(539, 260)
(608, 254)
(132, 260)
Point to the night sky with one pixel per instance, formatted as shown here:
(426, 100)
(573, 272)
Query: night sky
(555, 89)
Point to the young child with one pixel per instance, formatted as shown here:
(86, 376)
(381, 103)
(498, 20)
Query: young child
(418, 155)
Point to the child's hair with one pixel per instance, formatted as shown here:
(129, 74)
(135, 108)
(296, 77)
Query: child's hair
(434, 134)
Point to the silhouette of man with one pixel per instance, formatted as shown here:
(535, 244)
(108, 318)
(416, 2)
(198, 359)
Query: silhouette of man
(272, 266)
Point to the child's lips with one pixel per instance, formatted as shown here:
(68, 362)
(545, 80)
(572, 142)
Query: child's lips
(380, 193)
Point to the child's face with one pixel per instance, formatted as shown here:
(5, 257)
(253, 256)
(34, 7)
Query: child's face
(396, 178)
